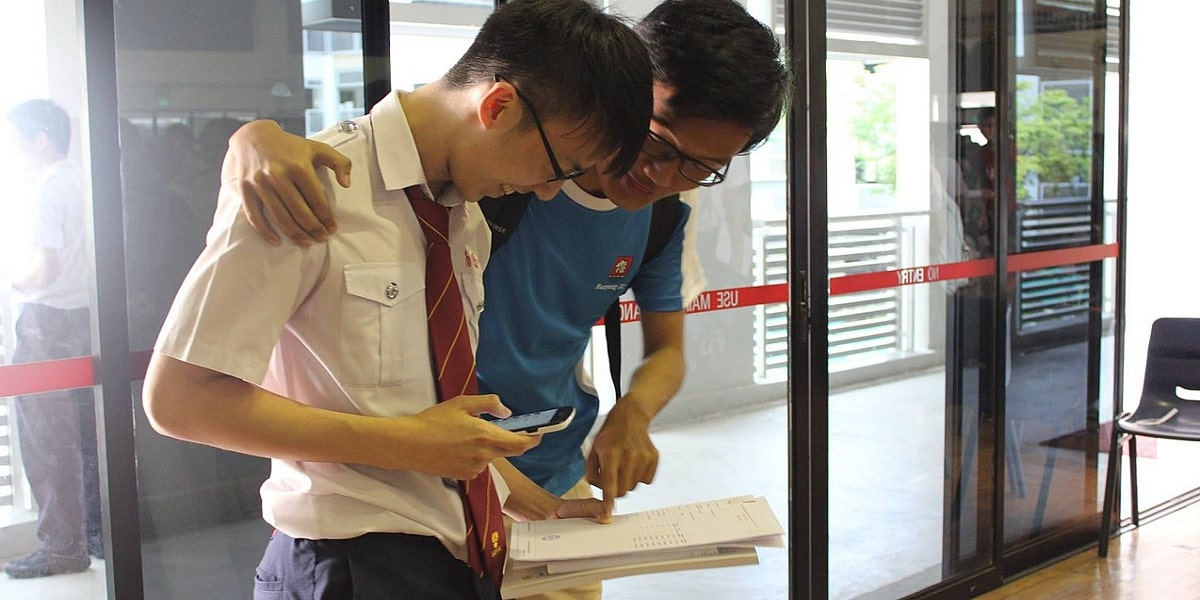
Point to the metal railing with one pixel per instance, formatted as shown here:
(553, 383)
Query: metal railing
(863, 327)
(8, 476)
(770, 320)
(1049, 299)
(867, 322)
(874, 326)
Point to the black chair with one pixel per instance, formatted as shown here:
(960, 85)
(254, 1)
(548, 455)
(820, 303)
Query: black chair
(1172, 370)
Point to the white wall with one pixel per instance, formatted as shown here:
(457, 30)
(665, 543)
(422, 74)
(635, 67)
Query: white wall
(1164, 200)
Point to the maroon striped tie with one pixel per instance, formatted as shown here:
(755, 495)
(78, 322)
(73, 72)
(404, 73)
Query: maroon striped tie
(454, 367)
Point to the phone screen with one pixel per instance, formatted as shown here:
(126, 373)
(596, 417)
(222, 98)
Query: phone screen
(533, 419)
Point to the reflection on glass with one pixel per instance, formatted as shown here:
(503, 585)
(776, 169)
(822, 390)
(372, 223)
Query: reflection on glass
(189, 74)
(333, 78)
(1051, 452)
(910, 185)
(423, 52)
(1051, 403)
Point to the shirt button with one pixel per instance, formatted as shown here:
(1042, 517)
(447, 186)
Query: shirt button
(347, 126)
(391, 291)
(479, 307)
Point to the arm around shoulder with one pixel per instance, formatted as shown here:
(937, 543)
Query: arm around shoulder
(275, 174)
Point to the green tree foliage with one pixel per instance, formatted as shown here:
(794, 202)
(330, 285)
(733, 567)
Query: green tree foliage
(1054, 139)
(874, 128)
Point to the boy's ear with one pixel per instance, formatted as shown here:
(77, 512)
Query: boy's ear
(498, 104)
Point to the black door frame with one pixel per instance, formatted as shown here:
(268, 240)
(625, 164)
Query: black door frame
(114, 410)
(808, 306)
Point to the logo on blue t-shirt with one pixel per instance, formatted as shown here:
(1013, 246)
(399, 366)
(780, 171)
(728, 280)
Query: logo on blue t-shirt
(620, 267)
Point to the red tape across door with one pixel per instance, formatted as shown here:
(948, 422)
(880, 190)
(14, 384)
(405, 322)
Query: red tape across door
(48, 376)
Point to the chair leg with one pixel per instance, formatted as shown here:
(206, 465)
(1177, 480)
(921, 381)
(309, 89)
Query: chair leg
(1012, 454)
(1133, 499)
(1110, 491)
(1039, 513)
(970, 449)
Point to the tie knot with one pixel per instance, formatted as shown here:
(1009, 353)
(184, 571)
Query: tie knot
(434, 218)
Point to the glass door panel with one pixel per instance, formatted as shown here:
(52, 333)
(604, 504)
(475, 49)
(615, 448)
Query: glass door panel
(1055, 208)
(189, 74)
(725, 433)
(428, 37)
(911, 319)
(51, 525)
(953, 388)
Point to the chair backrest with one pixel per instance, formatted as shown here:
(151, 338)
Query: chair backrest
(1173, 359)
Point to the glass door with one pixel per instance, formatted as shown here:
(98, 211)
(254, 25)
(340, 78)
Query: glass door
(189, 74)
(912, 331)
(967, 311)
(725, 433)
(52, 523)
(1054, 93)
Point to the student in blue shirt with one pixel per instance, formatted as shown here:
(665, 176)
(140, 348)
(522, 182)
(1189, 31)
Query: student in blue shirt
(719, 89)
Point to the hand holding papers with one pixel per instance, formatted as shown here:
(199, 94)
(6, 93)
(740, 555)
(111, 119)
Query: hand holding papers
(547, 555)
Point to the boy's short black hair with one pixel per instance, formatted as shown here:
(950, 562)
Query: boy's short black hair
(722, 63)
(33, 116)
(574, 63)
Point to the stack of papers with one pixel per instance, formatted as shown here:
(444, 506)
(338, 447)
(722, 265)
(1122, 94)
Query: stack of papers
(549, 555)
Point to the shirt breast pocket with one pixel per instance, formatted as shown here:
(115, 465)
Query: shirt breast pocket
(383, 334)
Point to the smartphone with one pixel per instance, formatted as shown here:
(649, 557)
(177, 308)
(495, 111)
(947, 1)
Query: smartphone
(542, 421)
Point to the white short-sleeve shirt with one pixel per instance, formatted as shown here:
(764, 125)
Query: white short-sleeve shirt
(340, 326)
(58, 224)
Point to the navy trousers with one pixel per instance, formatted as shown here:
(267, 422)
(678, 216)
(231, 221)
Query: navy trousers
(375, 566)
(58, 433)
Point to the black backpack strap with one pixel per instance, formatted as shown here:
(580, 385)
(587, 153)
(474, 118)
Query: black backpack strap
(663, 221)
(612, 333)
(503, 214)
(664, 218)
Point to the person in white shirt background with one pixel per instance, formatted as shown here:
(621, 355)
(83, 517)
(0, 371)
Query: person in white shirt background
(51, 280)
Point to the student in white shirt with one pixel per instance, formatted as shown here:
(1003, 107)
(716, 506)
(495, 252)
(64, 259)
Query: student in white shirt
(566, 260)
(318, 357)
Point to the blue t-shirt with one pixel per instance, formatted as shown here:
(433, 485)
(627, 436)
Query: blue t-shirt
(546, 287)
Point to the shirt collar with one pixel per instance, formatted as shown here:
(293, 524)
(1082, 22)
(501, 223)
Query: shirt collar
(396, 152)
(52, 171)
(576, 193)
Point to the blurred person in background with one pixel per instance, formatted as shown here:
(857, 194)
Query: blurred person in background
(51, 281)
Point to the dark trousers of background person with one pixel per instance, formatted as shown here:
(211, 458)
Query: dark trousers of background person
(58, 433)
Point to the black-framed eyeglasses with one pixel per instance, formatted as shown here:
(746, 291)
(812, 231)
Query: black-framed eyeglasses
(696, 171)
(559, 174)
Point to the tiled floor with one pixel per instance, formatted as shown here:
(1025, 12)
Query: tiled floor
(88, 585)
